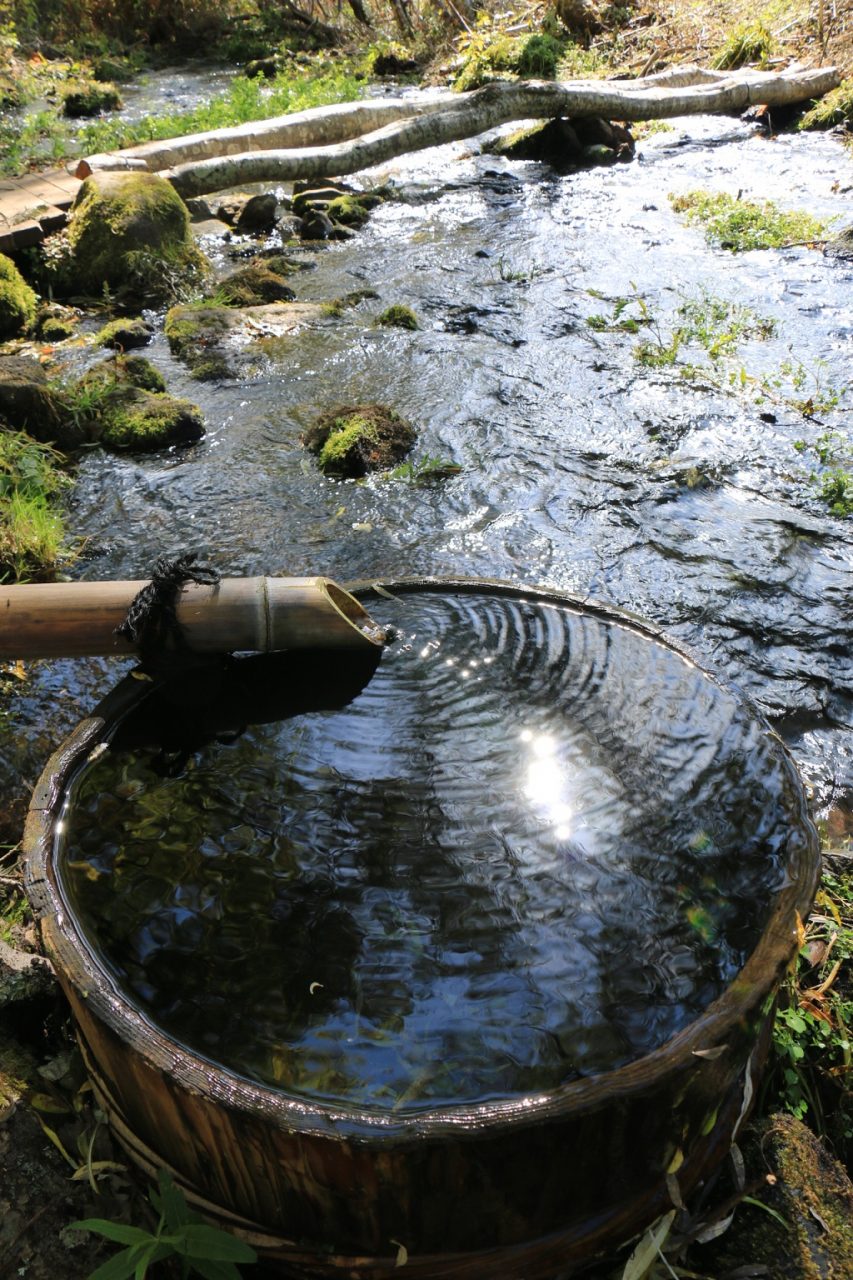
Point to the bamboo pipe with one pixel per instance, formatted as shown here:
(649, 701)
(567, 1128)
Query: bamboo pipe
(78, 619)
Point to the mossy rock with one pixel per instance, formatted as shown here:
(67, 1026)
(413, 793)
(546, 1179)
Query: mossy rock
(148, 421)
(130, 233)
(29, 403)
(125, 335)
(352, 440)
(17, 300)
(108, 70)
(123, 405)
(253, 285)
(565, 143)
(11, 94)
(56, 329)
(283, 266)
(90, 98)
(398, 317)
(808, 1232)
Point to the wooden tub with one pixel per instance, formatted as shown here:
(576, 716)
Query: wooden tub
(523, 1189)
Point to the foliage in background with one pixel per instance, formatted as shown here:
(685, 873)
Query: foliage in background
(748, 42)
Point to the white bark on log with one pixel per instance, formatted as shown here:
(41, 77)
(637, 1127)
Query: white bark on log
(467, 115)
(316, 126)
(323, 126)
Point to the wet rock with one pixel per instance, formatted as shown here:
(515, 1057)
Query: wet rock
(330, 211)
(29, 403)
(17, 300)
(352, 440)
(316, 226)
(253, 285)
(56, 328)
(130, 233)
(565, 143)
(199, 209)
(284, 266)
(812, 1238)
(841, 246)
(249, 214)
(214, 341)
(125, 335)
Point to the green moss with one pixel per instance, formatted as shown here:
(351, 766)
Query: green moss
(254, 285)
(151, 422)
(836, 107)
(130, 233)
(134, 371)
(90, 98)
(17, 300)
(194, 334)
(338, 306)
(283, 266)
(739, 225)
(398, 317)
(353, 439)
(55, 329)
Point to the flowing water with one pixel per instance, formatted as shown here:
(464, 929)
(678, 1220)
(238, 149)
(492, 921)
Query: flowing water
(681, 498)
(535, 846)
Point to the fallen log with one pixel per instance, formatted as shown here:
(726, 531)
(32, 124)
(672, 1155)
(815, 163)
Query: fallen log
(467, 115)
(326, 126)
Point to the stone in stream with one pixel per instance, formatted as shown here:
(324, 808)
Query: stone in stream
(124, 405)
(124, 335)
(129, 234)
(218, 341)
(249, 214)
(568, 143)
(352, 440)
(254, 284)
(841, 245)
(29, 403)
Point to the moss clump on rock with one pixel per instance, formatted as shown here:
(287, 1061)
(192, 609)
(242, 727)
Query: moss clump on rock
(122, 404)
(253, 285)
(350, 211)
(90, 98)
(398, 317)
(56, 329)
(124, 335)
(17, 300)
(352, 440)
(130, 234)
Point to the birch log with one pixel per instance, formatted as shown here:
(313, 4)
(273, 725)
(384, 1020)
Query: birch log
(466, 115)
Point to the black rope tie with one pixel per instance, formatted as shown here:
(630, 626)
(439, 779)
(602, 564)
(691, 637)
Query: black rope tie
(151, 622)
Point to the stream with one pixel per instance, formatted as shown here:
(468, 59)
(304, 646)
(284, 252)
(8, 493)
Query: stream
(678, 498)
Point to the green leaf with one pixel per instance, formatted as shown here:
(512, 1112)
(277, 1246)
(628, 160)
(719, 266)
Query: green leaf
(117, 1231)
(119, 1267)
(759, 1204)
(199, 1241)
(171, 1203)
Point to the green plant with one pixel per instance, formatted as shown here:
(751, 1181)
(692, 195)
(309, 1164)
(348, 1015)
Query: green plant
(835, 481)
(739, 225)
(748, 42)
(17, 300)
(398, 317)
(811, 1067)
(835, 107)
(31, 531)
(180, 1234)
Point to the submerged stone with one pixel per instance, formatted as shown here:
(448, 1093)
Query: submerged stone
(215, 341)
(252, 285)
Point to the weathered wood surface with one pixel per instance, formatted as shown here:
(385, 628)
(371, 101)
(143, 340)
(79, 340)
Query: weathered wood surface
(337, 140)
(76, 619)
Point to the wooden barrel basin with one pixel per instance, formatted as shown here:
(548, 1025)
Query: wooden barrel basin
(519, 1165)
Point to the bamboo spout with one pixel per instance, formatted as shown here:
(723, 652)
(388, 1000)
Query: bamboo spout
(78, 619)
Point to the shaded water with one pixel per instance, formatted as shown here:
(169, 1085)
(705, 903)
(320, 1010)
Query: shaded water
(535, 846)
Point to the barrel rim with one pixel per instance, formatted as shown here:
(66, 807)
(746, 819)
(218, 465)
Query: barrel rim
(747, 997)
